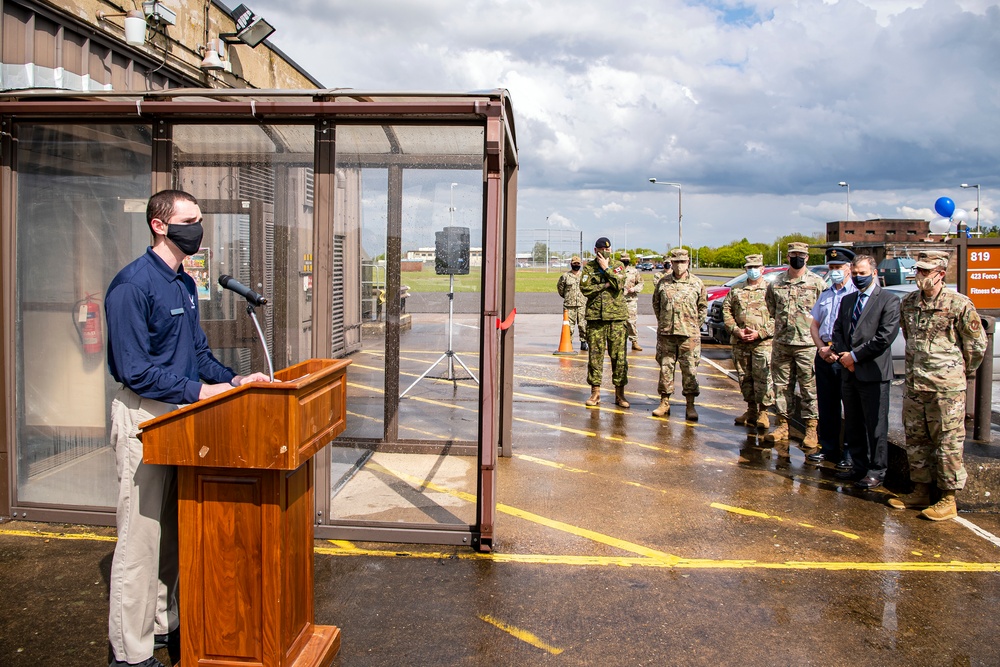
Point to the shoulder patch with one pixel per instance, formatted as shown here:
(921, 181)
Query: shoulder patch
(975, 324)
(618, 269)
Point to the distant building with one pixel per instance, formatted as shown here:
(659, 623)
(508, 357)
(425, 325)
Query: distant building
(887, 238)
(427, 255)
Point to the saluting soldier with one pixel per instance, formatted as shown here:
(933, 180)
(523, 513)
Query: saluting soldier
(680, 303)
(603, 284)
(945, 344)
(633, 285)
(574, 302)
(790, 299)
(748, 321)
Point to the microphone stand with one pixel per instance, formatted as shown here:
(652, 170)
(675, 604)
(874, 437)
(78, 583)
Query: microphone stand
(260, 334)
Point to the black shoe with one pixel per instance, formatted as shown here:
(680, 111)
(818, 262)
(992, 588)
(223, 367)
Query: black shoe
(845, 465)
(816, 458)
(151, 662)
(868, 482)
(583, 346)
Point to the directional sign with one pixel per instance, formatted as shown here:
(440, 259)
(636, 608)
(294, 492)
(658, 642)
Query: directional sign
(982, 267)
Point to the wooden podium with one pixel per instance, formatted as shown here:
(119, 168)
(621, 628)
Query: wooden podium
(246, 511)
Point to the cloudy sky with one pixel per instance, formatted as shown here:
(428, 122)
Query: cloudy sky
(757, 108)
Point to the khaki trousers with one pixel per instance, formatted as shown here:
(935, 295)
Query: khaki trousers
(144, 571)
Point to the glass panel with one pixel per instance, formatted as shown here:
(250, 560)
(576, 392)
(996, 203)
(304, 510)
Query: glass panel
(81, 202)
(254, 184)
(410, 198)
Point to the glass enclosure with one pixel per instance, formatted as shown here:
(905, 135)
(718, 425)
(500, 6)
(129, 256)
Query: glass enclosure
(81, 195)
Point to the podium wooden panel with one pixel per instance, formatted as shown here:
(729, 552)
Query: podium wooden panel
(246, 508)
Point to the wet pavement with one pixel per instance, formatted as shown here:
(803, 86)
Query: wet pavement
(622, 539)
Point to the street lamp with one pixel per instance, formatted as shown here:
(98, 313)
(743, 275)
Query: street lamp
(845, 184)
(680, 215)
(451, 209)
(966, 185)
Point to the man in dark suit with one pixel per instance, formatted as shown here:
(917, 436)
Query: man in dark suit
(867, 323)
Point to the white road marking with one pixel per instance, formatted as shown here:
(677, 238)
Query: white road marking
(985, 534)
(729, 374)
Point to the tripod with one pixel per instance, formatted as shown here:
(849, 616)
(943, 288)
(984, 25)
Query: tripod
(449, 354)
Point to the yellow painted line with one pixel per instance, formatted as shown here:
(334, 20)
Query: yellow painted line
(762, 515)
(676, 563)
(532, 517)
(523, 635)
(344, 548)
(94, 537)
(551, 464)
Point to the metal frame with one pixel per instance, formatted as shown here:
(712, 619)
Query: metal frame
(325, 109)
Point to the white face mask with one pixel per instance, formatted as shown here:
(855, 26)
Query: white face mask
(837, 277)
(754, 273)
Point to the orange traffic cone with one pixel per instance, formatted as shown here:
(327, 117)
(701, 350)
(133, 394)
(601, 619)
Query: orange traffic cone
(566, 340)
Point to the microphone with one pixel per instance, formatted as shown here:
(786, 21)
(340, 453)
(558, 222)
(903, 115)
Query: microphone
(230, 283)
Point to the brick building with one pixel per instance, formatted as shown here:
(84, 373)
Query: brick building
(888, 238)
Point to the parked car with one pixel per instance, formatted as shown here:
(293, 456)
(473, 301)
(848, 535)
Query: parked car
(644, 266)
(899, 345)
(714, 327)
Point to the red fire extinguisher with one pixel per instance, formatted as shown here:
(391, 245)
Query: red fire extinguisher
(87, 319)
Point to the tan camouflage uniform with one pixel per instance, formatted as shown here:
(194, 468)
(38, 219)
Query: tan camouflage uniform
(945, 343)
(633, 285)
(574, 301)
(790, 302)
(745, 307)
(607, 316)
(680, 306)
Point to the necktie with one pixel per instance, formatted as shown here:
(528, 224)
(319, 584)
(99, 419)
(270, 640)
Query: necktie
(858, 307)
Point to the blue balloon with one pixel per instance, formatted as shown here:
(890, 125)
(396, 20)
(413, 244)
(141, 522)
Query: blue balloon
(944, 207)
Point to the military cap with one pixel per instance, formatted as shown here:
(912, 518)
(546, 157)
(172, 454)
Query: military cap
(679, 255)
(754, 260)
(839, 256)
(576, 258)
(603, 242)
(623, 255)
(932, 259)
(798, 246)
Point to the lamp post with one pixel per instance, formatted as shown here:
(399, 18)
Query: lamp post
(966, 185)
(680, 215)
(845, 184)
(451, 209)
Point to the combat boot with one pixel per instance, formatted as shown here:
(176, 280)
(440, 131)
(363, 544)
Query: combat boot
(749, 416)
(595, 397)
(810, 443)
(690, 413)
(583, 346)
(664, 409)
(620, 398)
(762, 420)
(918, 499)
(780, 432)
(942, 509)
(636, 347)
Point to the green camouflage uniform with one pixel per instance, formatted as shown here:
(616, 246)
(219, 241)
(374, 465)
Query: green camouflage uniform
(633, 282)
(790, 302)
(680, 306)
(573, 301)
(745, 307)
(607, 316)
(945, 343)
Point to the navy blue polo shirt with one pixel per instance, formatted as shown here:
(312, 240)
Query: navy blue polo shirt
(156, 346)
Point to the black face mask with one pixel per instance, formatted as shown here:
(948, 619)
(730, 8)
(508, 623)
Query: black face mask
(625, 262)
(862, 282)
(186, 237)
(576, 267)
(796, 262)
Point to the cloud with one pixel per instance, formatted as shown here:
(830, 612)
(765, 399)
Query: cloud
(758, 107)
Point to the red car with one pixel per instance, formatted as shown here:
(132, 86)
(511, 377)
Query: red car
(719, 291)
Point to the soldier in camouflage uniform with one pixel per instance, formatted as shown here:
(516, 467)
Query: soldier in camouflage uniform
(745, 314)
(633, 285)
(680, 304)
(603, 284)
(945, 344)
(573, 300)
(790, 299)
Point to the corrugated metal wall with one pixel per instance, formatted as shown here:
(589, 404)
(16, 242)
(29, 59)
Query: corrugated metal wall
(43, 50)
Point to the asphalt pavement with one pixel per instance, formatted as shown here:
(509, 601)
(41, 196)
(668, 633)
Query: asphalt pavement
(622, 539)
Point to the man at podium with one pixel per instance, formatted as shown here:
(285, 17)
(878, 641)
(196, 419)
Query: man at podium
(159, 353)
